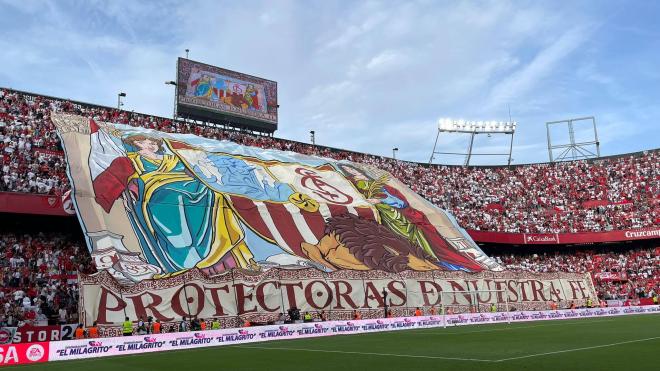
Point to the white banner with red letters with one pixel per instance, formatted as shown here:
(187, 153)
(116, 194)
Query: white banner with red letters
(89, 348)
(237, 296)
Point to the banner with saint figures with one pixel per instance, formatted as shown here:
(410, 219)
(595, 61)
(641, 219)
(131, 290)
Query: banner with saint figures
(153, 205)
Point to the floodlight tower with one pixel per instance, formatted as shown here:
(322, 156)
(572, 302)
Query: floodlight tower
(173, 83)
(119, 102)
(574, 150)
(474, 128)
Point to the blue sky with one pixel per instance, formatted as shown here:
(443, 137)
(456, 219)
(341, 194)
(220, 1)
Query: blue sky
(366, 76)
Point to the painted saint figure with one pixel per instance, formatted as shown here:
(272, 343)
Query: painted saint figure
(203, 87)
(252, 98)
(182, 222)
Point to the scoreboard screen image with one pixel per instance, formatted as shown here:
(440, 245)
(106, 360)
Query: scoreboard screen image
(216, 94)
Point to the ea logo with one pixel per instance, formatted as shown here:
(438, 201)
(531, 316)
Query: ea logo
(34, 352)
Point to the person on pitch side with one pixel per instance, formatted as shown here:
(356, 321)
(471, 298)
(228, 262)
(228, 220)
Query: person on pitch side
(93, 332)
(80, 332)
(127, 327)
(215, 325)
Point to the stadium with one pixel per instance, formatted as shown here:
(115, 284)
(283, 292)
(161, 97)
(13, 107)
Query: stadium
(215, 238)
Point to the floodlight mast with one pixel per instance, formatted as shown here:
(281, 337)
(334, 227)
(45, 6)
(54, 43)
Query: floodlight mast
(573, 150)
(474, 128)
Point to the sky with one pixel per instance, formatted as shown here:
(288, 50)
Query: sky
(367, 76)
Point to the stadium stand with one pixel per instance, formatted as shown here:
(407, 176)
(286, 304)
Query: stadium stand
(39, 277)
(621, 192)
(38, 273)
(616, 193)
(618, 275)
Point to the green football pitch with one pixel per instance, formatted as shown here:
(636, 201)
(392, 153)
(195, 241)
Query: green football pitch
(617, 343)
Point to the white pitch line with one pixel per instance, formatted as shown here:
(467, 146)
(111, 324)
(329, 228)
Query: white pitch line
(369, 353)
(504, 329)
(577, 349)
(452, 358)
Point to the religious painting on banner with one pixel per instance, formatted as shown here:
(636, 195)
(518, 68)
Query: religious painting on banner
(153, 205)
(221, 88)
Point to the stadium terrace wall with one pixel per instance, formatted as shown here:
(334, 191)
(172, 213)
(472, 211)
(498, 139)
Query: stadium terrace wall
(15, 354)
(239, 295)
(79, 104)
(564, 238)
(26, 203)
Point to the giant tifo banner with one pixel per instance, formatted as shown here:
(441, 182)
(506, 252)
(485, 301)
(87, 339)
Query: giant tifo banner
(153, 205)
(180, 212)
(104, 347)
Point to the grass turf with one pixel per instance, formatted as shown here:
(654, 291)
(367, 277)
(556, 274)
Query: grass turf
(616, 343)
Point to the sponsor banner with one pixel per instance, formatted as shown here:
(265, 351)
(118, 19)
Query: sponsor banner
(610, 276)
(48, 152)
(89, 348)
(564, 238)
(19, 354)
(30, 334)
(67, 331)
(262, 297)
(7, 334)
(525, 316)
(538, 238)
(28, 203)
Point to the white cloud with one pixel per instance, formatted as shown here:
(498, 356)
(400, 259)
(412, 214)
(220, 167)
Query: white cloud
(386, 60)
(516, 85)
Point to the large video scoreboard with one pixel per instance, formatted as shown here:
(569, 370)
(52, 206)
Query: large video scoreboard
(214, 94)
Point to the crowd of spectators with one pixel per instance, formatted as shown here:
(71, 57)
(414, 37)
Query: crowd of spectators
(568, 197)
(38, 271)
(579, 196)
(38, 278)
(38, 274)
(617, 275)
(31, 158)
